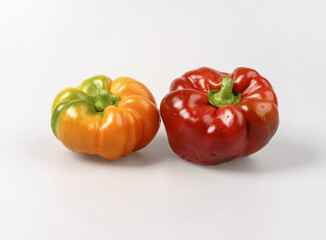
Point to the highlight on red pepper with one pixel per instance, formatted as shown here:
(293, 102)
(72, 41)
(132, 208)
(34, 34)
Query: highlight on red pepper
(213, 117)
(105, 117)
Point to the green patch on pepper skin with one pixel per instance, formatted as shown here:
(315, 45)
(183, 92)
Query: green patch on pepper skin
(70, 94)
(56, 114)
(91, 85)
(83, 94)
(64, 106)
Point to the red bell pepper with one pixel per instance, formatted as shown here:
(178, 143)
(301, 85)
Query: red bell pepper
(212, 117)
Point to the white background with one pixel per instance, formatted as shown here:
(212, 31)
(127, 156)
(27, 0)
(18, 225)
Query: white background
(48, 192)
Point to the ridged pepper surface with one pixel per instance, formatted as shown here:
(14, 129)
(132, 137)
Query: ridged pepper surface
(212, 117)
(105, 117)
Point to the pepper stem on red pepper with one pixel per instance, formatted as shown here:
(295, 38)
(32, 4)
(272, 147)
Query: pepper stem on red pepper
(103, 99)
(225, 96)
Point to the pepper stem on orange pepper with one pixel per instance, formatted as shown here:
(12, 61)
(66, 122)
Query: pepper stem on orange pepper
(225, 96)
(103, 99)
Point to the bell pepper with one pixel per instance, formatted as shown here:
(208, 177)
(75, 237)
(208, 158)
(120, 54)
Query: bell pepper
(212, 117)
(105, 117)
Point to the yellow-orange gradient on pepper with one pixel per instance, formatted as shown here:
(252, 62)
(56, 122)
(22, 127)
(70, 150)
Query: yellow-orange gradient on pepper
(105, 117)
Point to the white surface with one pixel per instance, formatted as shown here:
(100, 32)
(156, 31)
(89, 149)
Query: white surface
(48, 192)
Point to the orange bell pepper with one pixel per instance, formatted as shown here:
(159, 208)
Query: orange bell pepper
(105, 117)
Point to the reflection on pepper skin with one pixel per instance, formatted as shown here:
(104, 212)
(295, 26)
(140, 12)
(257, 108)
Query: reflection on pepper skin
(105, 117)
(201, 132)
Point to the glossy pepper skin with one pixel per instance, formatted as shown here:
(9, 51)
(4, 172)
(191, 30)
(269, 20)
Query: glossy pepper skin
(206, 125)
(105, 117)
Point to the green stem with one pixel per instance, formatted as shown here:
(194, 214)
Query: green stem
(103, 99)
(225, 96)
